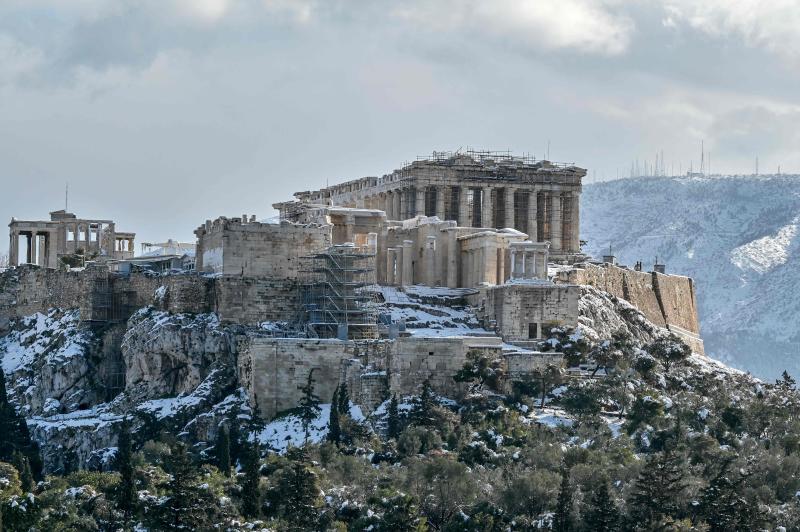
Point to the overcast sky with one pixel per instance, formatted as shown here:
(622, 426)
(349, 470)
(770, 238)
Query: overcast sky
(163, 113)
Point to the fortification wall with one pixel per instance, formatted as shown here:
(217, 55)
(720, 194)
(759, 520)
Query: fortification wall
(246, 300)
(667, 300)
(521, 311)
(272, 370)
(253, 249)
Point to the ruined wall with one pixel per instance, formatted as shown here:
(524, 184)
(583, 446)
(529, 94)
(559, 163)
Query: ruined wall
(246, 300)
(253, 249)
(273, 369)
(415, 360)
(104, 296)
(667, 300)
(514, 307)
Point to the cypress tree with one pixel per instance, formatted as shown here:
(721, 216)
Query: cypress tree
(562, 520)
(20, 461)
(251, 463)
(334, 431)
(344, 400)
(393, 419)
(602, 514)
(126, 491)
(222, 449)
(309, 404)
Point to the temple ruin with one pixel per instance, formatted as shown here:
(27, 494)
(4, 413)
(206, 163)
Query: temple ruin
(46, 241)
(473, 189)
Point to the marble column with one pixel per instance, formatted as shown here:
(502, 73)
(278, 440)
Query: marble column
(463, 207)
(419, 202)
(440, 197)
(453, 253)
(408, 263)
(555, 221)
(510, 208)
(487, 210)
(32, 248)
(13, 249)
(87, 239)
(576, 222)
(396, 208)
(532, 229)
(429, 260)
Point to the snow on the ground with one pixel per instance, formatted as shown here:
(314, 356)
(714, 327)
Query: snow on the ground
(552, 417)
(287, 431)
(431, 312)
(765, 253)
(55, 333)
(170, 406)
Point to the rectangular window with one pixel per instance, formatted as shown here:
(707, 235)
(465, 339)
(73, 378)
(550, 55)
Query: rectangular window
(533, 330)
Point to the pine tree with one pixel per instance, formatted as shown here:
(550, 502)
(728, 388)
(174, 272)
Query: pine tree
(602, 515)
(722, 505)
(343, 406)
(393, 419)
(423, 410)
(299, 492)
(334, 432)
(222, 449)
(20, 461)
(309, 404)
(187, 505)
(658, 491)
(126, 491)
(251, 497)
(562, 520)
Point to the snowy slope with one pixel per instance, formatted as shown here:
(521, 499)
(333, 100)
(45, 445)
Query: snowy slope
(738, 238)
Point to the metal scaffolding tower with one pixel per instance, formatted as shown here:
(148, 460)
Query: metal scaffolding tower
(338, 300)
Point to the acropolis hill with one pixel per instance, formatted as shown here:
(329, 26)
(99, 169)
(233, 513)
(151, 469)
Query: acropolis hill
(381, 283)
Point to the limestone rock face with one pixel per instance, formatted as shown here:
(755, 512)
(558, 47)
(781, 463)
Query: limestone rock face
(601, 314)
(171, 354)
(48, 364)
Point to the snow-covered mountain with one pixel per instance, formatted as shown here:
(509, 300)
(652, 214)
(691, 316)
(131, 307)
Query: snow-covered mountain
(736, 236)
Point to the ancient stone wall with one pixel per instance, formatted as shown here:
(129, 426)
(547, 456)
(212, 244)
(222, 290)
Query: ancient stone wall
(272, 370)
(104, 296)
(253, 249)
(667, 300)
(521, 311)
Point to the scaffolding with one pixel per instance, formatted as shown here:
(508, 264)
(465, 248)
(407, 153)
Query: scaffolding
(339, 299)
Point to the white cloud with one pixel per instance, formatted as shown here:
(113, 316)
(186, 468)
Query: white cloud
(204, 10)
(17, 59)
(591, 26)
(770, 24)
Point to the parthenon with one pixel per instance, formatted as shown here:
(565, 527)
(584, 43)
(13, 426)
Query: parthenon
(66, 234)
(473, 188)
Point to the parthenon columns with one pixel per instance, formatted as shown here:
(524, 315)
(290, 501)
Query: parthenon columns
(440, 202)
(31, 247)
(463, 208)
(533, 229)
(396, 205)
(419, 209)
(510, 207)
(556, 220)
(486, 207)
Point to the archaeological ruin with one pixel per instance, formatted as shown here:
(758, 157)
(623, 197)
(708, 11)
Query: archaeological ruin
(46, 241)
(382, 283)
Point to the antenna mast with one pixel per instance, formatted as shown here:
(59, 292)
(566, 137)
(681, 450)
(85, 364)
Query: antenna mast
(66, 198)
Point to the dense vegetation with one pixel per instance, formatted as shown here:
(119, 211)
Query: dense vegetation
(644, 438)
